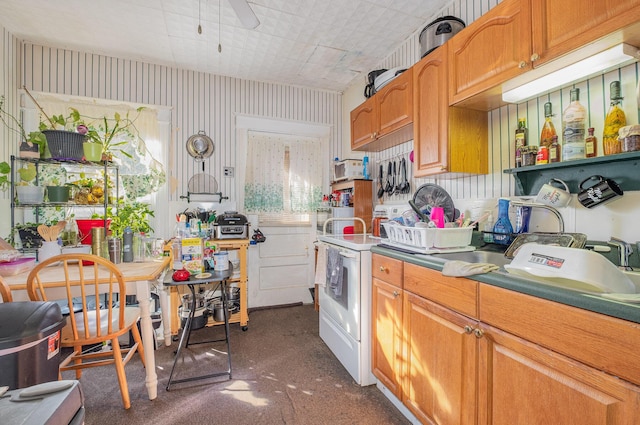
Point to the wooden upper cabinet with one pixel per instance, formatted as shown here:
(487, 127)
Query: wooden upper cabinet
(446, 139)
(518, 35)
(363, 123)
(554, 36)
(395, 104)
(490, 51)
(384, 120)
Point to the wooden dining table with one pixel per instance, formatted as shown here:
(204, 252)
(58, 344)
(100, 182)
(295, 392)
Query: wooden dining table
(139, 278)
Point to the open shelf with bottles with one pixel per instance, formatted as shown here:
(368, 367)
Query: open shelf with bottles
(624, 168)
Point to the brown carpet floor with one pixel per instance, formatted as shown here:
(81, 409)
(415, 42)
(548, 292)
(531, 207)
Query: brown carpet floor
(283, 373)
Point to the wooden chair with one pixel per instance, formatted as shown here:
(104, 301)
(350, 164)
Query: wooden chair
(5, 291)
(85, 277)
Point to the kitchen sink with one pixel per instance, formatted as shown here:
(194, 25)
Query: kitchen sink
(477, 256)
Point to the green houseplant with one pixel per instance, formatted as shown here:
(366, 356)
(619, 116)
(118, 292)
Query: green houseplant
(33, 144)
(132, 214)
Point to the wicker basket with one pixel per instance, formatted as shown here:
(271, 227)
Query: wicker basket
(65, 145)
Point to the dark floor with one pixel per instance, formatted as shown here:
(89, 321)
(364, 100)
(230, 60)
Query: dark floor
(282, 374)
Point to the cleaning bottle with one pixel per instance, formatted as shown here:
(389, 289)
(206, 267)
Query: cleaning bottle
(365, 167)
(503, 229)
(488, 228)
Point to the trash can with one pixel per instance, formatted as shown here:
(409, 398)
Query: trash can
(29, 343)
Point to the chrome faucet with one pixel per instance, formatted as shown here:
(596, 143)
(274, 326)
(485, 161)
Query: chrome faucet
(555, 212)
(625, 250)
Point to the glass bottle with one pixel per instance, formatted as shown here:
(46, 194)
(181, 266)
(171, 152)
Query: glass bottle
(503, 229)
(573, 128)
(521, 137)
(548, 130)
(614, 120)
(554, 150)
(591, 144)
(70, 233)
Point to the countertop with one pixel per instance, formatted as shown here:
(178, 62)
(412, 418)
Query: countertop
(501, 278)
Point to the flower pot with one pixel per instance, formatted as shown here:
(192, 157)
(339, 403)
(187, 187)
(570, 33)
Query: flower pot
(30, 194)
(92, 151)
(59, 194)
(30, 238)
(84, 228)
(65, 145)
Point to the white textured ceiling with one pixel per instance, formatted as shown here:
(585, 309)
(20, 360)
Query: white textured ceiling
(322, 44)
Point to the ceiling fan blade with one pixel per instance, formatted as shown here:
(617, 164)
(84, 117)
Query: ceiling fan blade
(245, 13)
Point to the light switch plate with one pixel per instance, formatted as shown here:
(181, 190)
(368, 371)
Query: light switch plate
(228, 171)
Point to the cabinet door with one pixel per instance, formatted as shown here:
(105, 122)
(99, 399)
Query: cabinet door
(395, 104)
(386, 335)
(363, 123)
(430, 108)
(493, 49)
(446, 138)
(440, 363)
(521, 383)
(553, 35)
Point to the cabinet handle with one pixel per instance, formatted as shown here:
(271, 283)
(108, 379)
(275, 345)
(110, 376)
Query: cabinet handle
(535, 57)
(382, 269)
(468, 329)
(522, 65)
(395, 294)
(478, 333)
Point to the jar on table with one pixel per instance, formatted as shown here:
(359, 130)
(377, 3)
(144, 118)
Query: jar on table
(378, 218)
(629, 137)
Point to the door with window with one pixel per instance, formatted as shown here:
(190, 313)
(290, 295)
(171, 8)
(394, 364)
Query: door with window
(282, 190)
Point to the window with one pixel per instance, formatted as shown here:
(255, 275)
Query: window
(283, 182)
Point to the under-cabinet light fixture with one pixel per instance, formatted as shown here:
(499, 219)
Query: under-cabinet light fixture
(573, 67)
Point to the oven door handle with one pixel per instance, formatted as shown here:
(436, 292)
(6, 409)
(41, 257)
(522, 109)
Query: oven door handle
(347, 255)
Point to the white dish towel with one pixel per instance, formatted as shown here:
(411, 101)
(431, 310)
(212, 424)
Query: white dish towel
(321, 265)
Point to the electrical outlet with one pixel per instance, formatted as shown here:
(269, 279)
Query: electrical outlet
(228, 171)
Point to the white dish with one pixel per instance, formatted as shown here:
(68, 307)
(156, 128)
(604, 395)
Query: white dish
(203, 275)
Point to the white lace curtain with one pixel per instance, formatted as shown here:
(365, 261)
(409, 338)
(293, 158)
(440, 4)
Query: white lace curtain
(284, 174)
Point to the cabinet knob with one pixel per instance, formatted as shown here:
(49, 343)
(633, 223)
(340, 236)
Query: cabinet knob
(468, 329)
(478, 333)
(535, 57)
(522, 65)
(382, 269)
(395, 294)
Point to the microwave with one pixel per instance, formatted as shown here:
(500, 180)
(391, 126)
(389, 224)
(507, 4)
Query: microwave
(347, 169)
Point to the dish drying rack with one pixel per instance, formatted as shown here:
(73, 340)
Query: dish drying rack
(429, 240)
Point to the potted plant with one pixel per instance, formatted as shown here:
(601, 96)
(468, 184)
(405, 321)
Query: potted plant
(64, 141)
(5, 175)
(33, 144)
(29, 236)
(26, 191)
(135, 215)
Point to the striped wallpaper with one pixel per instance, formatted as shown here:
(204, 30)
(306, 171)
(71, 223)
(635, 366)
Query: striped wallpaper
(198, 101)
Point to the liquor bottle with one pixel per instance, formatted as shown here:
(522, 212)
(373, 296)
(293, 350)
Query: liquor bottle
(503, 229)
(614, 120)
(591, 144)
(548, 130)
(573, 128)
(554, 150)
(521, 137)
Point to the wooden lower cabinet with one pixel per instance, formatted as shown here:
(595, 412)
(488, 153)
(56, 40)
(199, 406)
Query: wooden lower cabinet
(521, 383)
(455, 369)
(439, 363)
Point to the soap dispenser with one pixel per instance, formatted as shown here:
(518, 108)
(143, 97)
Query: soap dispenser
(503, 229)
